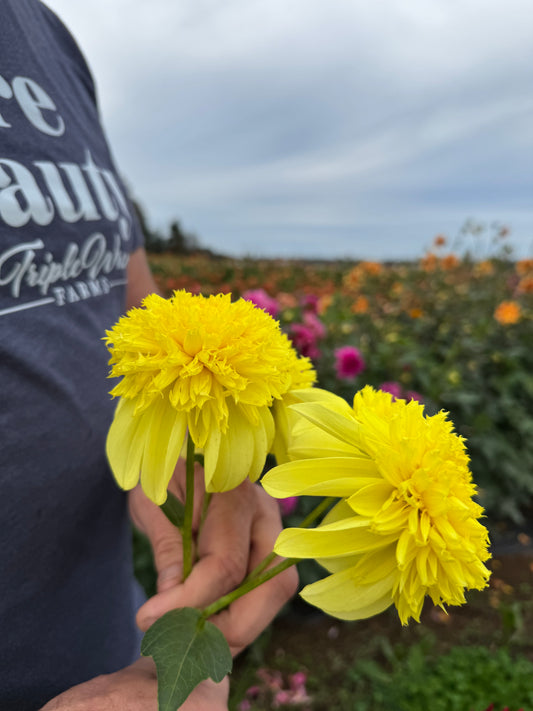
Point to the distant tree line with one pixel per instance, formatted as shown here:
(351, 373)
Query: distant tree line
(176, 240)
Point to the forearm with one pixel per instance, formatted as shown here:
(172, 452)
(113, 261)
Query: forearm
(140, 279)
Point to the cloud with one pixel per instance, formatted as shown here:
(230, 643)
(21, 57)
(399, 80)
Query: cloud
(317, 121)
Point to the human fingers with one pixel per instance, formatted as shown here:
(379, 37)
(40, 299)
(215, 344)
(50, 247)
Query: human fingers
(208, 696)
(164, 537)
(249, 615)
(133, 688)
(223, 556)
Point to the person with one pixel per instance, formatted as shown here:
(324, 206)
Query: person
(71, 261)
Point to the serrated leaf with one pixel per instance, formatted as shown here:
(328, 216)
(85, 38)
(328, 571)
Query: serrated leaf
(174, 510)
(186, 650)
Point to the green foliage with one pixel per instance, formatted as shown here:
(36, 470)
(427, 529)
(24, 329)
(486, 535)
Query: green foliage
(457, 356)
(186, 650)
(174, 510)
(465, 679)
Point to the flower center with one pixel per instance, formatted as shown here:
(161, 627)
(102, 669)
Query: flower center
(408, 493)
(192, 342)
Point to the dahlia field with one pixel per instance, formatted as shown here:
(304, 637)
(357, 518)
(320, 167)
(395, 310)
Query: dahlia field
(454, 333)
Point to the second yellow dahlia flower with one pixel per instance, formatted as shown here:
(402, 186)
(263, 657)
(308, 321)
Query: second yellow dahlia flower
(406, 525)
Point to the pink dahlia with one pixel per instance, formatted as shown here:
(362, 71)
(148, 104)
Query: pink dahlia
(304, 340)
(310, 303)
(288, 505)
(348, 362)
(260, 298)
(392, 387)
(298, 679)
(397, 391)
(312, 322)
(413, 395)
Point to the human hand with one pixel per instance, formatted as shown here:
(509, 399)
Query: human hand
(239, 530)
(135, 689)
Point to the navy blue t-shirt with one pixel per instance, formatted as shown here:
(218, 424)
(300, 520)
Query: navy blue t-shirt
(67, 596)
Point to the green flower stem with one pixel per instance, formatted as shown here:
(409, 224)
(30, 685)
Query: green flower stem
(263, 565)
(308, 520)
(189, 507)
(260, 575)
(323, 506)
(246, 587)
(205, 508)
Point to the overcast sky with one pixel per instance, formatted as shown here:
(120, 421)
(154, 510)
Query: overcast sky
(318, 127)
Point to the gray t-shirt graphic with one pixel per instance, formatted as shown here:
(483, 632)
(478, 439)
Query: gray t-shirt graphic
(67, 598)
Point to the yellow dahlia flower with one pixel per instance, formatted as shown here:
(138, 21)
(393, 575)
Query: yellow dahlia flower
(203, 366)
(406, 525)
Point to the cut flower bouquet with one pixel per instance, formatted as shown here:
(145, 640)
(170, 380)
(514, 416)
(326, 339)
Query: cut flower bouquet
(211, 377)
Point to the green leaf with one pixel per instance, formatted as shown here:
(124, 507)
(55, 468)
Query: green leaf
(174, 510)
(186, 650)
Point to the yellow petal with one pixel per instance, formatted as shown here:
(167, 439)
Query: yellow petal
(229, 457)
(317, 395)
(341, 538)
(406, 549)
(422, 566)
(368, 567)
(263, 435)
(307, 441)
(281, 437)
(211, 452)
(329, 476)
(176, 442)
(392, 517)
(124, 447)
(376, 565)
(340, 595)
(290, 426)
(369, 499)
(339, 423)
(164, 431)
(336, 565)
(340, 511)
(425, 525)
